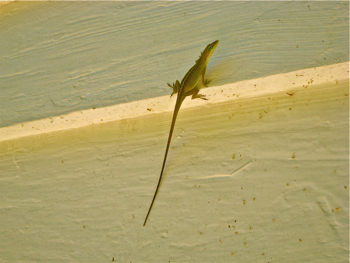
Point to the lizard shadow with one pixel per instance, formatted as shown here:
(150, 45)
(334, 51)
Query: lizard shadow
(224, 72)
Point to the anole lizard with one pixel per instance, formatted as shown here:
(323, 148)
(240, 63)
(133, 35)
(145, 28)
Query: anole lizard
(186, 88)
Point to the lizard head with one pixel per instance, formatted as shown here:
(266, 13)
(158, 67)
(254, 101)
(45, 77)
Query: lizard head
(209, 50)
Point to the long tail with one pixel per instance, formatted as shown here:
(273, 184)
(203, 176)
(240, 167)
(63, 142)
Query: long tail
(176, 111)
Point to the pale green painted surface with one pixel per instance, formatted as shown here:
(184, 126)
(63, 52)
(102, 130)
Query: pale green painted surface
(59, 57)
(263, 178)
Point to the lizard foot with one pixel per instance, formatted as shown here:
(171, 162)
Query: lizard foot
(206, 82)
(175, 87)
(200, 96)
(195, 94)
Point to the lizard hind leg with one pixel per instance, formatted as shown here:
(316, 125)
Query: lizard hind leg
(195, 94)
(175, 87)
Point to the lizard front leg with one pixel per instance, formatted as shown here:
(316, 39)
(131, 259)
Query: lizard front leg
(204, 82)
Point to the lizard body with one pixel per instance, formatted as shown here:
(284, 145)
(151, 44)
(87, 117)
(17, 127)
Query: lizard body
(186, 88)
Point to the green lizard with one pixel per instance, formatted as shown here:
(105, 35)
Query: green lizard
(186, 88)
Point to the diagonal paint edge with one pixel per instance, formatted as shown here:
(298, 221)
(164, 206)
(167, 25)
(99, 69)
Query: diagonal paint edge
(248, 88)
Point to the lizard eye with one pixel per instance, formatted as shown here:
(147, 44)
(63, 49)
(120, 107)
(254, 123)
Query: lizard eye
(211, 47)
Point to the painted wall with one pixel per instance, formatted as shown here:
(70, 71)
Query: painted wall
(258, 173)
(59, 57)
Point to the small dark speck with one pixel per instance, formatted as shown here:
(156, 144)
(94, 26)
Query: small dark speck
(112, 259)
(148, 109)
(93, 108)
